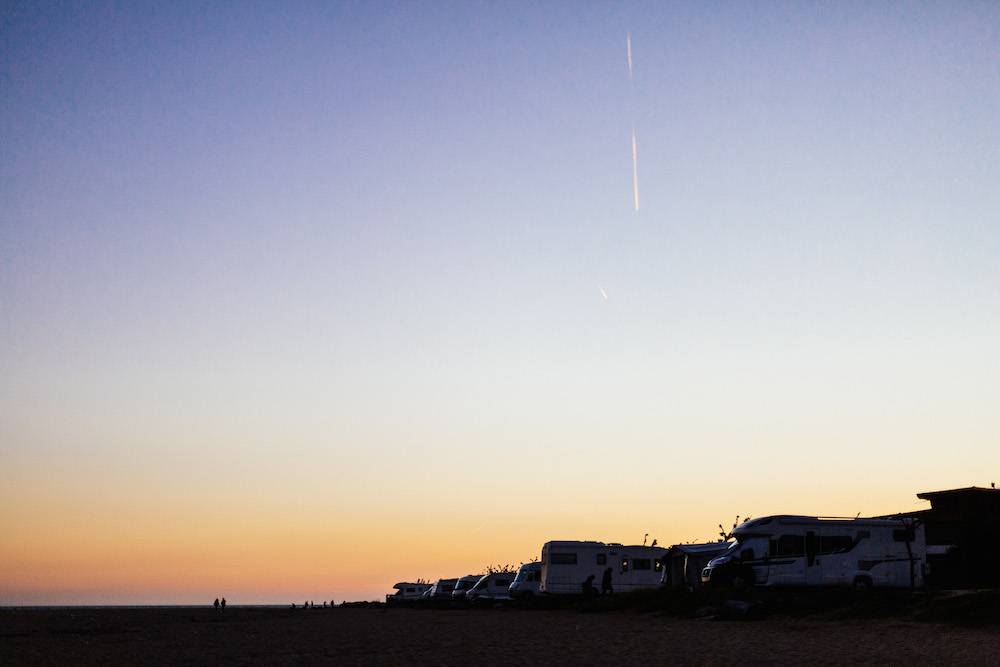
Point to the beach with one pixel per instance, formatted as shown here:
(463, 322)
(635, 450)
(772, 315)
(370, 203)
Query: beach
(378, 635)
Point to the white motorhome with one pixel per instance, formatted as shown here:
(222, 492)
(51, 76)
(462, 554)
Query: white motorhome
(493, 587)
(407, 592)
(817, 551)
(567, 566)
(527, 581)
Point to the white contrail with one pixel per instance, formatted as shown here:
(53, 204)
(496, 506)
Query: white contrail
(603, 293)
(628, 44)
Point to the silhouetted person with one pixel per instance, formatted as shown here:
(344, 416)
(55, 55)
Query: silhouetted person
(216, 604)
(223, 604)
(606, 583)
(588, 588)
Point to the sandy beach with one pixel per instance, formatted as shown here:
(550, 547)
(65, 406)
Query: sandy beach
(378, 635)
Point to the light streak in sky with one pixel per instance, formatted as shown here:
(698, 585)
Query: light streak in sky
(603, 293)
(631, 85)
(628, 44)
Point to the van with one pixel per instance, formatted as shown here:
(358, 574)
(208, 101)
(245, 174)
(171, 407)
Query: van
(463, 585)
(817, 551)
(440, 590)
(527, 582)
(493, 587)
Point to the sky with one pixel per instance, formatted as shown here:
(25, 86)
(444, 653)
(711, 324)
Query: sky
(300, 300)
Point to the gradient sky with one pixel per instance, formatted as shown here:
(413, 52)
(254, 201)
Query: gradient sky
(303, 299)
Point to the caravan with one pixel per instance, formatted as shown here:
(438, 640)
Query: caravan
(815, 551)
(568, 565)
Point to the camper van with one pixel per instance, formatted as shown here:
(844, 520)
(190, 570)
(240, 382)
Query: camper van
(493, 587)
(440, 590)
(567, 565)
(463, 586)
(407, 592)
(526, 582)
(815, 551)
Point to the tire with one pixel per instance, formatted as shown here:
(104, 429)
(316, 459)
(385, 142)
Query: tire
(742, 579)
(862, 584)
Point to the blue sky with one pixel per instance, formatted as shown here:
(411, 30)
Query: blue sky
(279, 255)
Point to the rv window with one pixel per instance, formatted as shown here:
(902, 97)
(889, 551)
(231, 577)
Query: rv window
(602, 559)
(503, 583)
(641, 564)
(562, 559)
(791, 545)
(835, 544)
(903, 535)
(625, 564)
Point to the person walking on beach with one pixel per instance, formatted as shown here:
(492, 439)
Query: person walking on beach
(216, 604)
(223, 604)
(606, 583)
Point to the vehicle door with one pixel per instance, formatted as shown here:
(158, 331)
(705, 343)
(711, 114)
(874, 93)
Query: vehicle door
(789, 564)
(814, 561)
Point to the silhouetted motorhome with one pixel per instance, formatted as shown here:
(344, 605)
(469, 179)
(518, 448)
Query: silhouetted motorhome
(407, 592)
(567, 564)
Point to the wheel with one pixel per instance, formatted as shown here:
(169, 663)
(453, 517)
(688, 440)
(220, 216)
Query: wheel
(738, 581)
(862, 584)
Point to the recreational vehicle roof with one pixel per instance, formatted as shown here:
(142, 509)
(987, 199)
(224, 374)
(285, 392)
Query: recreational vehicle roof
(767, 524)
(708, 547)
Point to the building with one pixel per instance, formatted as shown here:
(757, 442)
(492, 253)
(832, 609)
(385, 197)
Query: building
(962, 530)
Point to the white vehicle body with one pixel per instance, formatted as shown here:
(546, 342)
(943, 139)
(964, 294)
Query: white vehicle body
(407, 591)
(464, 585)
(566, 565)
(493, 586)
(527, 582)
(440, 590)
(815, 551)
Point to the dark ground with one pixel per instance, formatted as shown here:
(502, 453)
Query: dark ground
(942, 631)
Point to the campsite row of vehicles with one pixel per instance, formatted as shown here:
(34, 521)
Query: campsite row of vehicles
(769, 551)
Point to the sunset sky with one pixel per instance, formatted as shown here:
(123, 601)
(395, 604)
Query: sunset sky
(299, 300)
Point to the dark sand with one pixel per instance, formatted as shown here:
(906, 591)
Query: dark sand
(380, 635)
